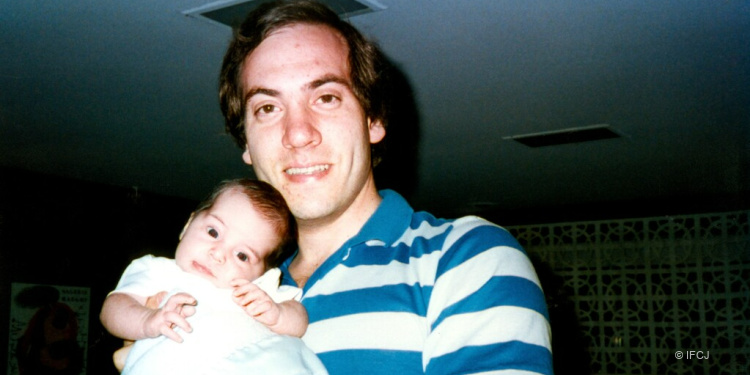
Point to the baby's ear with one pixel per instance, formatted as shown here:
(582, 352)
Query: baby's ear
(187, 225)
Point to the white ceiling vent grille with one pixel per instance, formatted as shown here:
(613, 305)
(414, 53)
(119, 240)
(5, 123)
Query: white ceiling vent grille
(232, 12)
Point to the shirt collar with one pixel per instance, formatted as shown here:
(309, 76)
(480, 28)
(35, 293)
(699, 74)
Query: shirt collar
(388, 223)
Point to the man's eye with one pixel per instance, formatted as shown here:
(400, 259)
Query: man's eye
(328, 98)
(243, 257)
(265, 109)
(212, 232)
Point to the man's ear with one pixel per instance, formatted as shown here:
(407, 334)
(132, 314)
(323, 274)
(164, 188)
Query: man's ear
(246, 156)
(190, 220)
(376, 129)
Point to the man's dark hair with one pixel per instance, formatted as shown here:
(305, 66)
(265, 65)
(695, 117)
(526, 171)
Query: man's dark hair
(367, 63)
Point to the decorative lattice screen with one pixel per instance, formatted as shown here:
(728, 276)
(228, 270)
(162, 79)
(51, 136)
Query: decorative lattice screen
(649, 291)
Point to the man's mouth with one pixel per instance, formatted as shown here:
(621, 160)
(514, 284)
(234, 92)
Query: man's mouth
(307, 170)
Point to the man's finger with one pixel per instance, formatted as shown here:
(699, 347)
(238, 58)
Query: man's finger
(154, 301)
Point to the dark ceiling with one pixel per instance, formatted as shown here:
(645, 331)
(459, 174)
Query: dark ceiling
(124, 93)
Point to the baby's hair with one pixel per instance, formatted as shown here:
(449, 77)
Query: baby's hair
(270, 204)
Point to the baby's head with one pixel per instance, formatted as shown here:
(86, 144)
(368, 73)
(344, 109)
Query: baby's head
(241, 230)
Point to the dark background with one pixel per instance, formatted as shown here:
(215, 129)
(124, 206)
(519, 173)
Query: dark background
(60, 231)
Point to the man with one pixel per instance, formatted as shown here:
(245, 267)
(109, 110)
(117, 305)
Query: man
(387, 290)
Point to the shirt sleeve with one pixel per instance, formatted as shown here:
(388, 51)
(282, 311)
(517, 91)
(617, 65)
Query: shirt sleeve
(144, 276)
(487, 311)
(269, 283)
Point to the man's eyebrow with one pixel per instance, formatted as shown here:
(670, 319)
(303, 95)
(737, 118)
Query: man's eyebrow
(330, 78)
(260, 90)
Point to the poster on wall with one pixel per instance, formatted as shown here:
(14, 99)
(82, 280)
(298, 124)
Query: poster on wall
(48, 329)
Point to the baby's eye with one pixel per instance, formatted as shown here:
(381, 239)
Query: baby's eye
(212, 232)
(242, 257)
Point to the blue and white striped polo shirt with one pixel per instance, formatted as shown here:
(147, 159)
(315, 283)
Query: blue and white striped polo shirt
(413, 294)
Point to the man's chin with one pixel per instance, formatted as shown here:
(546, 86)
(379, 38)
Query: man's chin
(310, 210)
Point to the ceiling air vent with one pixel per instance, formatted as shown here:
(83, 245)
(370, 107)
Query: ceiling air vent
(231, 13)
(565, 136)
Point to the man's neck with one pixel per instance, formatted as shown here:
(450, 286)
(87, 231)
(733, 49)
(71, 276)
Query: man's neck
(320, 238)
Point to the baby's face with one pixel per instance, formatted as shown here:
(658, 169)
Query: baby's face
(227, 242)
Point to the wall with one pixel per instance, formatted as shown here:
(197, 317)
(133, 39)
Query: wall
(660, 295)
(65, 232)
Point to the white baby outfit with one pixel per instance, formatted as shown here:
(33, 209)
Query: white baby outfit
(225, 340)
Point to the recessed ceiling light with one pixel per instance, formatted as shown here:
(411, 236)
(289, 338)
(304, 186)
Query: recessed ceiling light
(232, 12)
(565, 136)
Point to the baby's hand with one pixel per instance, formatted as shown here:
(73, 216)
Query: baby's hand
(255, 302)
(173, 314)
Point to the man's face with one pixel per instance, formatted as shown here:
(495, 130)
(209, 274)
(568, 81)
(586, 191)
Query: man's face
(227, 242)
(307, 135)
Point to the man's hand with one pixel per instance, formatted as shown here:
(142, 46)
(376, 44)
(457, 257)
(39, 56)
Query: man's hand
(122, 354)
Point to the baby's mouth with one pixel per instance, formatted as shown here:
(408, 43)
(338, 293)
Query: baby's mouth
(200, 268)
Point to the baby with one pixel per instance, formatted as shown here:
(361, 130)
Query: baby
(225, 312)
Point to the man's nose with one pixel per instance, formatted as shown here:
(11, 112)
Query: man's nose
(300, 129)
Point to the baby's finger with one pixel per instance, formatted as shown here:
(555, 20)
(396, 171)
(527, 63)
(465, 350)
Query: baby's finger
(178, 320)
(257, 308)
(238, 282)
(175, 302)
(245, 289)
(184, 299)
(247, 299)
(171, 334)
(187, 310)
(253, 292)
